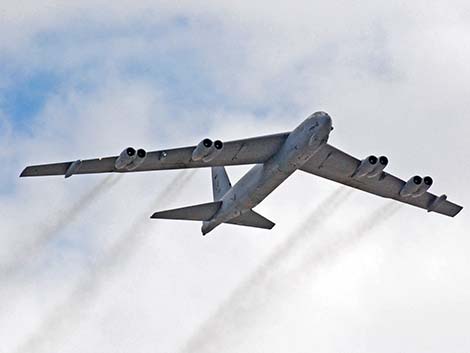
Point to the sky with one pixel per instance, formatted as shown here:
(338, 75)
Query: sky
(84, 269)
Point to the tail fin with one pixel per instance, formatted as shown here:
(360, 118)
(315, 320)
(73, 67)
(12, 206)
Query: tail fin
(220, 183)
(202, 212)
(252, 219)
(205, 212)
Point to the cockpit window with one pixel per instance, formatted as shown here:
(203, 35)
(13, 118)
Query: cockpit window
(313, 126)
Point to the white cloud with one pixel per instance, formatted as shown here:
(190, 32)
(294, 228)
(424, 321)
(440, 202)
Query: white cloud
(393, 76)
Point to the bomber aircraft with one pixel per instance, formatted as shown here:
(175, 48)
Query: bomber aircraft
(276, 157)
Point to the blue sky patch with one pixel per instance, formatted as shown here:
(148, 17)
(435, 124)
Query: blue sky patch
(24, 97)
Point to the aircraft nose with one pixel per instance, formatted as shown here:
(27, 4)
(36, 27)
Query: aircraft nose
(324, 119)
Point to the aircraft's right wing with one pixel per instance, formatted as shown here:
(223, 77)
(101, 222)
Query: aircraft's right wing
(334, 164)
(247, 151)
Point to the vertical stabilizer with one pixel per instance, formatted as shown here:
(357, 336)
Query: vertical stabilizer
(220, 183)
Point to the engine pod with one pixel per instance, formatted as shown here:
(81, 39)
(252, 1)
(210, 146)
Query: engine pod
(379, 167)
(203, 149)
(207, 150)
(140, 157)
(427, 183)
(412, 186)
(125, 158)
(218, 146)
(366, 167)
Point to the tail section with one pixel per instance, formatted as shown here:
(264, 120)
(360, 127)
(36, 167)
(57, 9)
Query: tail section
(252, 219)
(202, 212)
(220, 183)
(206, 212)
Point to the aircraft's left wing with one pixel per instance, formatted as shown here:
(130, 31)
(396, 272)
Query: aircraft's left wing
(248, 151)
(334, 164)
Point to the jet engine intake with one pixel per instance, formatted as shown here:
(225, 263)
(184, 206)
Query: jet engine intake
(130, 159)
(416, 186)
(138, 160)
(207, 150)
(427, 183)
(125, 158)
(412, 186)
(367, 166)
(379, 167)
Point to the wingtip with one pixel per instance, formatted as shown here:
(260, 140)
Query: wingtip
(459, 209)
(24, 173)
(157, 215)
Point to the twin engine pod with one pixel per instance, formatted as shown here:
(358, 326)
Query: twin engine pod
(207, 150)
(371, 167)
(416, 186)
(130, 159)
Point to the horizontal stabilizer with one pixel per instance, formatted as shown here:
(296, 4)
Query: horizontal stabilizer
(202, 212)
(252, 219)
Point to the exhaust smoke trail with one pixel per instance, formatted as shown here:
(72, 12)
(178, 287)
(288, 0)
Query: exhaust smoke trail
(238, 312)
(353, 236)
(345, 240)
(50, 231)
(248, 294)
(120, 253)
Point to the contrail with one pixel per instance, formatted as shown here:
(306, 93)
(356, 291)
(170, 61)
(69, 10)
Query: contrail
(50, 231)
(343, 242)
(243, 298)
(120, 253)
(237, 313)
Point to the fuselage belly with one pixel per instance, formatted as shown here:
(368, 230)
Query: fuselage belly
(263, 179)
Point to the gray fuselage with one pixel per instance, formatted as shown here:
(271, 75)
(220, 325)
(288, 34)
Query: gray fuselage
(263, 179)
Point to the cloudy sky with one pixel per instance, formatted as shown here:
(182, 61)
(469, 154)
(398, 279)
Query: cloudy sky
(83, 268)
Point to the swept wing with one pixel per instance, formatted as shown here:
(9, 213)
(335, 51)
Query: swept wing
(334, 164)
(247, 151)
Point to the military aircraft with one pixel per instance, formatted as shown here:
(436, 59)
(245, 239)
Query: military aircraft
(276, 157)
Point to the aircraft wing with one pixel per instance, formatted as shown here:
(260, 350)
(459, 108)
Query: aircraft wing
(334, 164)
(248, 151)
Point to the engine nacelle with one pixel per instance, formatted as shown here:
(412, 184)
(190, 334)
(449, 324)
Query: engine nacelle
(416, 186)
(125, 158)
(130, 159)
(140, 157)
(367, 166)
(412, 186)
(380, 166)
(207, 150)
(427, 183)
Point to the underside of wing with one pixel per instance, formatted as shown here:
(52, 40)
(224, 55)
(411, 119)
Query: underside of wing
(239, 152)
(334, 164)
